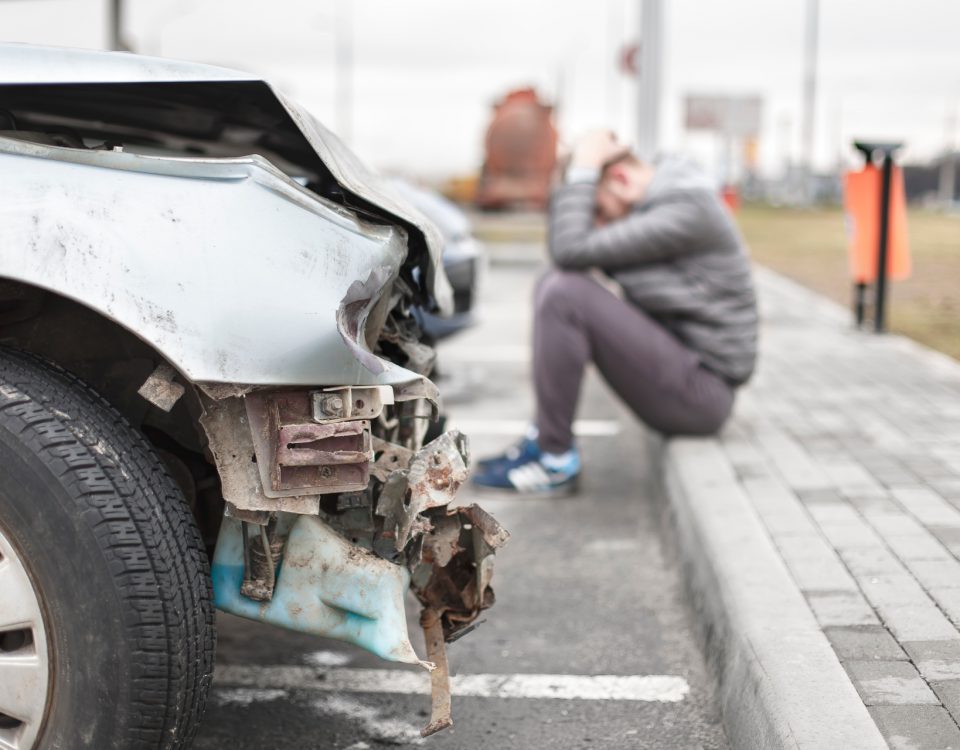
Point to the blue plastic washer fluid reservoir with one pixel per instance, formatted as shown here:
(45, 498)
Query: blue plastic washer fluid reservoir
(325, 586)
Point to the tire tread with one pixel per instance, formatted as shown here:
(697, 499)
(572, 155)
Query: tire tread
(145, 531)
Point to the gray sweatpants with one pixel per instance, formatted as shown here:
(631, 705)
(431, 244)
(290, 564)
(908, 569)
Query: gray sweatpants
(576, 321)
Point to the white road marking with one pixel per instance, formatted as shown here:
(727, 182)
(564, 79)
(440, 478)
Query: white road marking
(607, 546)
(374, 723)
(516, 427)
(498, 354)
(244, 696)
(327, 659)
(643, 688)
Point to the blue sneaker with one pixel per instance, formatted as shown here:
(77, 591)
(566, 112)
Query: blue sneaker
(528, 471)
(523, 450)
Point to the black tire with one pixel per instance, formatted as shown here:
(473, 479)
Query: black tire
(116, 559)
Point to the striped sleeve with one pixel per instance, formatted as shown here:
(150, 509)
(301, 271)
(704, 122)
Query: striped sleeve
(668, 229)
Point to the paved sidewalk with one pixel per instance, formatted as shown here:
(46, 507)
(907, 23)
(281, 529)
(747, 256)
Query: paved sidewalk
(846, 449)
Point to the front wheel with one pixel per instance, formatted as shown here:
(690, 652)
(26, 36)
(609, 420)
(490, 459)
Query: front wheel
(106, 617)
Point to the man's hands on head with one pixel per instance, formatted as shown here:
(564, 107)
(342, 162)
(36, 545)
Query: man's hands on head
(594, 148)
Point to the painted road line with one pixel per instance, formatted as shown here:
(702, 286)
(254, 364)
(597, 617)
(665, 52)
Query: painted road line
(641, 688)
(496, 354)
(581, 427)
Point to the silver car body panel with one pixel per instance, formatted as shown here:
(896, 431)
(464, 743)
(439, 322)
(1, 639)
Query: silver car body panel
(27, 63)
(226, 266)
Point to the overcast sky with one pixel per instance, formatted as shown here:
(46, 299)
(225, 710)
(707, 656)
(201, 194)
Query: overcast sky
(427, 71)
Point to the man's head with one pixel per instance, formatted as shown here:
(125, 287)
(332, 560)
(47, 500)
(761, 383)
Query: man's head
(623, 182)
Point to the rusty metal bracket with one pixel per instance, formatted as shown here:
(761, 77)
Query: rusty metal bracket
(419, 388)
(440, 717)
(389, 458)
(230, 439)
(454, 574)
(348, 402)
(435, 474)
(296, 456)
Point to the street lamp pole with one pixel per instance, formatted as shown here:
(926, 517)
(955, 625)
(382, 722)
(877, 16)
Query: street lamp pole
(116, 26)
(809, 95)
(343, 51)
(650, 75)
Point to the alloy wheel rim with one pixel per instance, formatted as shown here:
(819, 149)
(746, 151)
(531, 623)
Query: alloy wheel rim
(24, 661)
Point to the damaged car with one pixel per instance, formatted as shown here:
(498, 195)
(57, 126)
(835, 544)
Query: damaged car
(214, 392)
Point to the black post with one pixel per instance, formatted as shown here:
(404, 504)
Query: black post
(880, 306)
(883, 245)
(859, 301)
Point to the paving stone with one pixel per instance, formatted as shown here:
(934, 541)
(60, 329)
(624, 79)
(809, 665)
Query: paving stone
(892, 589)
(918, 547)
(835, 513)
(936, 660)
(936, 573)
(893, 523)
(917, 727)
(948, 488)
(824, 573)
(794, 464)
(780, 510)
(948, 691)
(841, 608)
(949, 537)
(848, 475)
(890, 683)
(881, 503)
(798, 546)
(948, 599)
(916, 622)
(928, 507)
(872, 561)
(865, 644)
(845, 535)
(820, 496)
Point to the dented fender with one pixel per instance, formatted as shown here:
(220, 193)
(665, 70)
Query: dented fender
(229, 268)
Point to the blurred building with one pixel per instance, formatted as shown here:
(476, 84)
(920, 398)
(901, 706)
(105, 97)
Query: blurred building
(521, 147)
(926, 183)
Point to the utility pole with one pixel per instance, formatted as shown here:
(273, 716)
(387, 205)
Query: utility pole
(614, 30)
(116, 26)
(650, 75)
(811, 29)
(343, 52)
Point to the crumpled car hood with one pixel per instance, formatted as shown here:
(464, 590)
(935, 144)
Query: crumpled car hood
(32, 64)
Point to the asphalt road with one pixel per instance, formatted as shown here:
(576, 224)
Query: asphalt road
(585, 587)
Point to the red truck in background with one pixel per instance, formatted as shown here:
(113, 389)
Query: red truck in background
(521, 147)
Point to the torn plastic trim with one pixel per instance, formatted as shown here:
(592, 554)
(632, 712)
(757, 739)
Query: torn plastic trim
(160, 389)
(325, 586)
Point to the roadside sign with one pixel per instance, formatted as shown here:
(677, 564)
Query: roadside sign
(731, 116)
(862, 203)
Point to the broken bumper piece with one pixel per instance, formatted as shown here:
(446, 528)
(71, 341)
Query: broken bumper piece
(333, 513)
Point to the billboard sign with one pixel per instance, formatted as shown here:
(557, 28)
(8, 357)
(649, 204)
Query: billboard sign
(734, 116)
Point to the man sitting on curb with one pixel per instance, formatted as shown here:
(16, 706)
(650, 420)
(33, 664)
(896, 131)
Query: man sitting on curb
(677, 345)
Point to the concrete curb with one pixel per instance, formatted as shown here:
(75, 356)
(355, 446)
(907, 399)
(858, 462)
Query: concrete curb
(780, 683)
